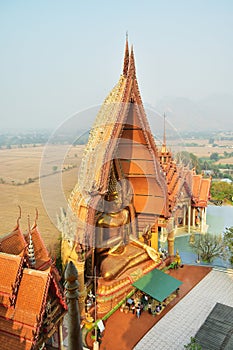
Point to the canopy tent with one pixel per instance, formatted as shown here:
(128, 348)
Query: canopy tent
(157, 284)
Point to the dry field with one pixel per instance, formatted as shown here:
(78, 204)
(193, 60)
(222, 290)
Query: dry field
(204, 149)
(225, 161)
(20, 164)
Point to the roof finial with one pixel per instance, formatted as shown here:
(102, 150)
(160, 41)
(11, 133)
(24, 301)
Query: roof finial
(36, 218)
(126, 57)
(31, 252)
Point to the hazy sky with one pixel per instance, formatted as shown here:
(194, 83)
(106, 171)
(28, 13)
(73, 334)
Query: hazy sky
(59, 57)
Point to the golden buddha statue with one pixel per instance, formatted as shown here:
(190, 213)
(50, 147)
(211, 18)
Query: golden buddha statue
(118, 251)
(113, 225)
(123, 257)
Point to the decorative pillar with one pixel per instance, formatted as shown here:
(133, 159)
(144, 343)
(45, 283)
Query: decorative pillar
(60, 337)
(71, 292)
(171, 239)
(80, 265)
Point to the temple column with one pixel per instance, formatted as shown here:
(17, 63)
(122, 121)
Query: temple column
(184, 216)
(154, 237)
(205, 227)
(171, 239)
(194, 217)
(71, 293)
(202, 219)
(189, 218)
(162, 233)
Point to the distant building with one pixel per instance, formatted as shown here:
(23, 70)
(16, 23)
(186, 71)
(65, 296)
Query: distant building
(229, 181)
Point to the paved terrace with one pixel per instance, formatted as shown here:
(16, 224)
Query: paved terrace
(174, 330)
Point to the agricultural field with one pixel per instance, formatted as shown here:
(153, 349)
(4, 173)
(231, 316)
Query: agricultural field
(25, 171)
(202, 148)
(20, 185)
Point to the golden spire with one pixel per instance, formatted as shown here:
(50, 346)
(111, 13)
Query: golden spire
(132, 69)
(126, 57)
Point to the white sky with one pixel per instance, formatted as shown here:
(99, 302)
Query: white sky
(59, 57)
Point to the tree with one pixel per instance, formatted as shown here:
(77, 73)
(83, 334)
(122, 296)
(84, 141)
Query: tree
(221, 190)
(228, 241)
(211, 140)
(214, 156)
(209, 246)
(193, 345)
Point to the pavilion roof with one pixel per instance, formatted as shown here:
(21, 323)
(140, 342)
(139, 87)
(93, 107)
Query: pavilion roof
(24, 291)
(10, 268)
(200, 190)
(20, 324)
(13, 243)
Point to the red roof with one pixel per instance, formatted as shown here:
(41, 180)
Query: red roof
(20, 323)
(13, 243)
(201, 190)
(10, 268)
(24, 291)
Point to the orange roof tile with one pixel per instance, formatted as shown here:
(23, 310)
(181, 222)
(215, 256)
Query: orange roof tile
(196, 186)
(31, 294)
(204, 193)
(10, 266)
(13, 243)
(10, 342)
(19, 324)
(200, 190)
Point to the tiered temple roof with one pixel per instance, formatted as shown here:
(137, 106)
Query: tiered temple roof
(121, 134)
(25, 293)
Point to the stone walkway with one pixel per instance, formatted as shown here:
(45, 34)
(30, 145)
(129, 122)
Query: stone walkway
(174, 330)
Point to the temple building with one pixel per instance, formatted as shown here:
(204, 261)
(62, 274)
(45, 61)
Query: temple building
(32, 305)
(130, 196)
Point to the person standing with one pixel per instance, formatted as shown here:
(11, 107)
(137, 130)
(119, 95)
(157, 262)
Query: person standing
(138, 312)
(133, 308)
(149, 308)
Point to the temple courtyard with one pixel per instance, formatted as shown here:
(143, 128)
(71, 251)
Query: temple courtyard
(202, 288)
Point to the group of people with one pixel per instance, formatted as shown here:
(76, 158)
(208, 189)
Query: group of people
(143, 303)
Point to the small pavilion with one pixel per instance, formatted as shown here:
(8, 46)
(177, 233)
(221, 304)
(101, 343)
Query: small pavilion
(32, 304)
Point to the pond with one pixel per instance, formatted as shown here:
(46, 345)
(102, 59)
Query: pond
(218, 218)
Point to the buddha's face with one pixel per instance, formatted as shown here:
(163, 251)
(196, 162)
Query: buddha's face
(113, 203)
